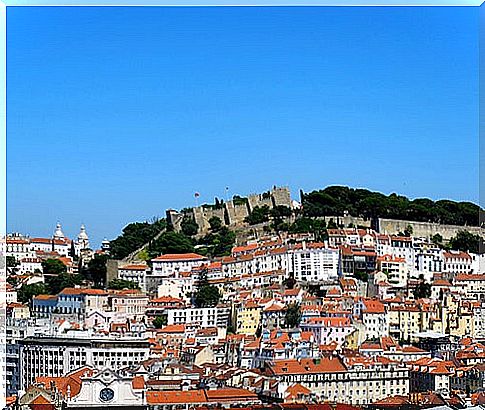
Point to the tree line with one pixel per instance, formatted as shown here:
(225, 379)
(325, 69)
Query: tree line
(338, 200)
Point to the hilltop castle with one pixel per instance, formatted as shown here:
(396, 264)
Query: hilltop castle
(231, 213)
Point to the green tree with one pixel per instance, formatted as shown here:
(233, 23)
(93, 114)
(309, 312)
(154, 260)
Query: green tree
(57, 283)
(120, 284)
(289, 282)
(258, 215)
(336, 200)
(215, 224)
(361, 275)
(96, 269)
(134, 236)
(27, 292)
(206, 295)
(189, 226)
(408, 231)
(437, 239)
(171, 242)
(11, 262)
(160, 321)
(423, 289)
(53, 267)
(331, 224)
(465, 241)
(219, 243)
(293, 315)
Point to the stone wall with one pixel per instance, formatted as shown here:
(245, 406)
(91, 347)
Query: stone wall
(425, 229)
(394, 226)
(236, 212)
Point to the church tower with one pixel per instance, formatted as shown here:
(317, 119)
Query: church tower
(83, 238)
(58, 234)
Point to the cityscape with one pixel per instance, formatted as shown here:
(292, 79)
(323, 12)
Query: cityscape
(253, 208)
(256, 302)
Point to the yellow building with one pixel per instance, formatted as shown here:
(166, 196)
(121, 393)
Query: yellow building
(248, 317)
(404, 322)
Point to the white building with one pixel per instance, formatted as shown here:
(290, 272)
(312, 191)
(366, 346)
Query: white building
(134, 273)
(457, 262)
(395, 268)
(29, 265)
(171, 264)
(403, 247)
(327, 330)
(428, 262)
(180, 287)
(202, 317)
(313, 263)
(18, 247)
(375, 318)
(56, 356)
(355, 381)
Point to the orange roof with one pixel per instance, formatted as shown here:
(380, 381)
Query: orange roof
(297, 390)
(138, 382)
(82, 291)
(456, 255)
(245, 248)
(373, 306)
(133, 267)
(166, 299)
(175, 397)
(323, 365)
(465, 277)
(179, 257)
(441, 282)
(329, 321)
(172, 329)
(230, 394)
(71, 381)
(45, 297)
(41, 400)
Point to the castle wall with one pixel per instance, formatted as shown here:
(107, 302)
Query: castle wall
(394, 226)
(236, 213)
(425, 229)
(281, 196)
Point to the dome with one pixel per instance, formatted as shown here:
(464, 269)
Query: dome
(58, 232)
(82, 234)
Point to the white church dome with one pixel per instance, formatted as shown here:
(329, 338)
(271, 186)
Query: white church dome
(58, 232)
(82, 234)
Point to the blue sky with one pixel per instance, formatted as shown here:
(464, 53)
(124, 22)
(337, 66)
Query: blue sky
(115, 114)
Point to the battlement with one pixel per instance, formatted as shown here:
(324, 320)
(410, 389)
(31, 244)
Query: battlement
(231, 213)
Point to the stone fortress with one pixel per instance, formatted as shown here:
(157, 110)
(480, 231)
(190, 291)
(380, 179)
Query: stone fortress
(233, 212)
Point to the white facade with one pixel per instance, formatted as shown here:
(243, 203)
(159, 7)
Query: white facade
(203, 317)
(19, 248)
(29, 265)
(327, 330)
(428, 262)
(457, 262)
(181, 287)
(107, 388)
(168, 265)
(54, 357)
(134, 273)
(314, 264)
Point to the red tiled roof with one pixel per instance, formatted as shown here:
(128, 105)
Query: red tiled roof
(323, 365)
(179, 257)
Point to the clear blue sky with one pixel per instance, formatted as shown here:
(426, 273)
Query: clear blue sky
(115, 114)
